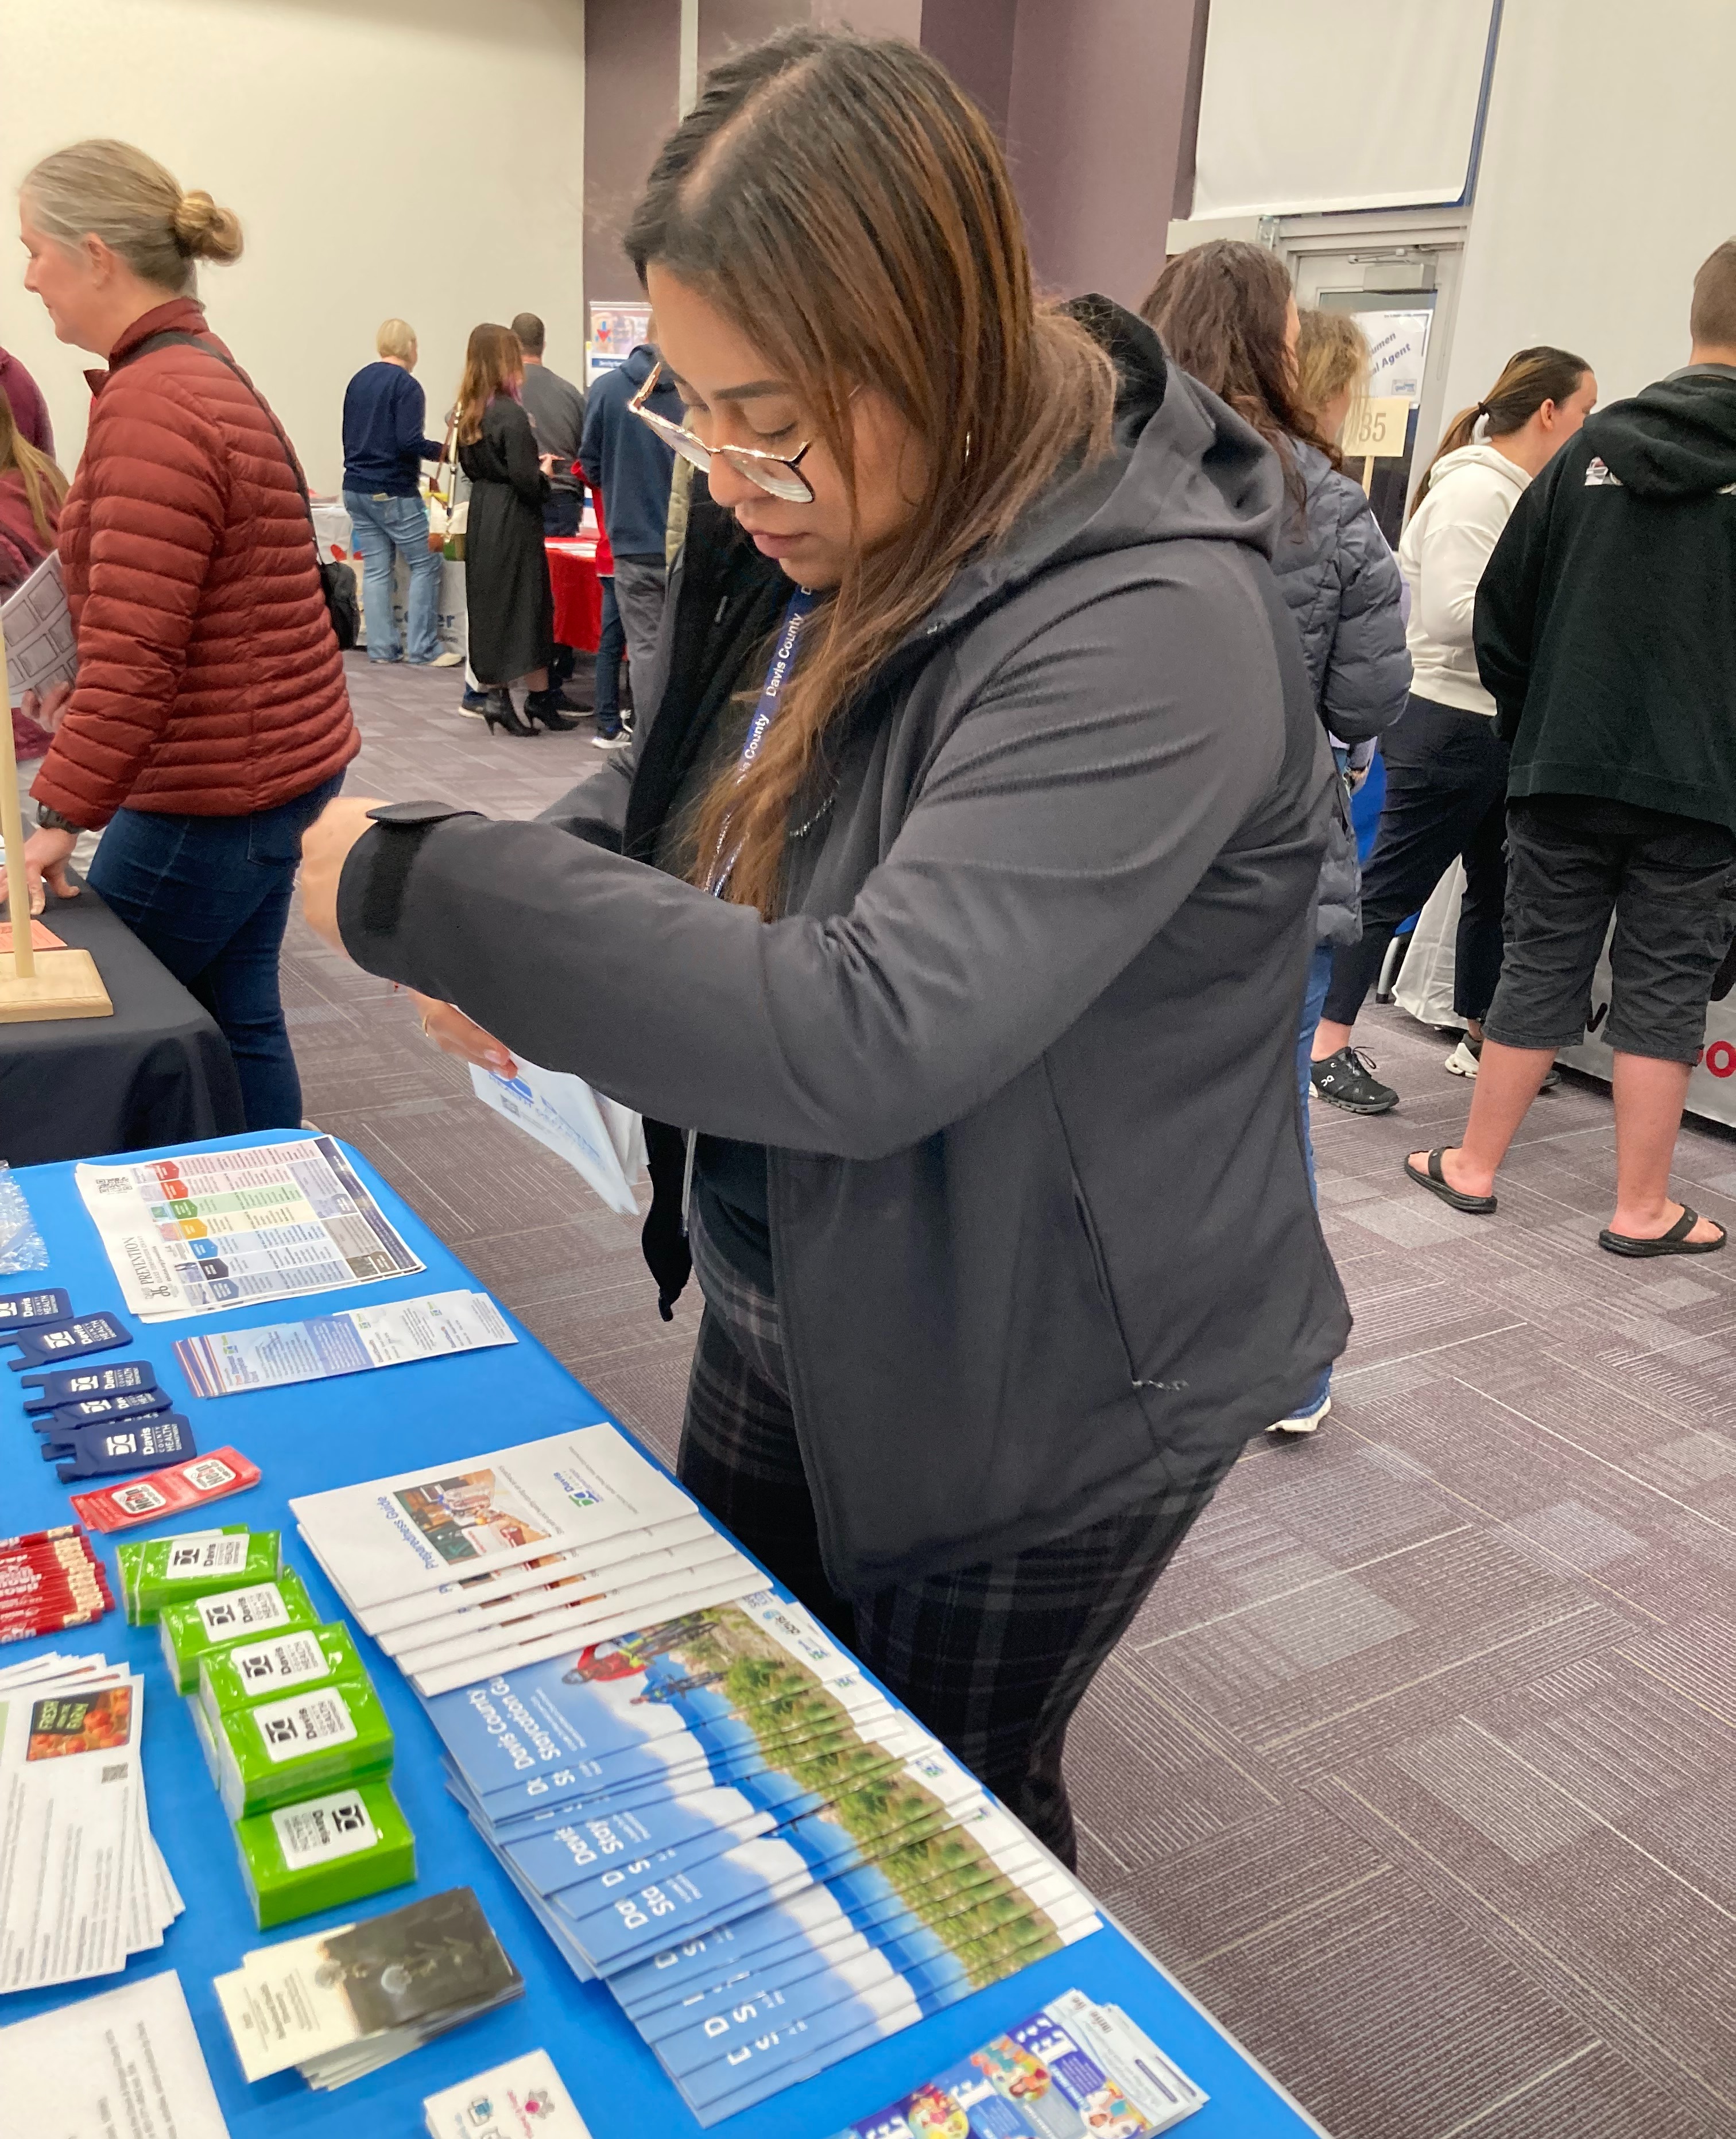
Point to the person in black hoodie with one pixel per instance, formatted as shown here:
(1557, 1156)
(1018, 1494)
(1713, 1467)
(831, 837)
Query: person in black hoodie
(1606, 630)
(958, 898)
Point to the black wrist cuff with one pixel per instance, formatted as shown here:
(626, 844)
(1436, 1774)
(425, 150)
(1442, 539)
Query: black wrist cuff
(407, 824)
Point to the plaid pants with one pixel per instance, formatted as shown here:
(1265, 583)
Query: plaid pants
(993, 1658)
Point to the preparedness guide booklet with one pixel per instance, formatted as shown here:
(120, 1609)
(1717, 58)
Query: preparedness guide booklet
(410, 1535)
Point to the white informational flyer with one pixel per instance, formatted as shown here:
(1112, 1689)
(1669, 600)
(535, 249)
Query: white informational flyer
(523, 2100)
(125, 2065)
(70, 1831)
(212, 1230)
(408, 1534)
(40, 650)
(439, 1324)
(598, 1138)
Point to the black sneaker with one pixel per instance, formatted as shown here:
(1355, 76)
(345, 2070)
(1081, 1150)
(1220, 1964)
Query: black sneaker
(1343, 1080)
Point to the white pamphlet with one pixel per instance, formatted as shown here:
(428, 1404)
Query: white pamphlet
(388, 1333)
(40, 650)
(69, 1830)
(598, 1137)
(523, 2100)
(457, 1604)
(414, 1533)
(209, 1230)
(125, 2065)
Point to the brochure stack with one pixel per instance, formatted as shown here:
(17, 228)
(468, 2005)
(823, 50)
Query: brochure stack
(704, 1800)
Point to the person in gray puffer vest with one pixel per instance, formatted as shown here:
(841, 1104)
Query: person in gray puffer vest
(1226, 314)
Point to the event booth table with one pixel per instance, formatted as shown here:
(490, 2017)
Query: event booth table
(347, 1431)
(157, 1070)
(578, 591)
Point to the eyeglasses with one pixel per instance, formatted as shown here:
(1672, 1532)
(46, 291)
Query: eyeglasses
(778, 474)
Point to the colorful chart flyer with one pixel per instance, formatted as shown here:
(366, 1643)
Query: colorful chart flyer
(212, 1230)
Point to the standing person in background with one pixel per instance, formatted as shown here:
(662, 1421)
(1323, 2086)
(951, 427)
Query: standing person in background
(511, 608)
(1606, 629)
(1332, 368)
(630, 465)
(29, 411)
(210, 722)
(1446, 765)
(384, 413)
(556, 410)
(1226, 314)
(611, 732)
(31, 490)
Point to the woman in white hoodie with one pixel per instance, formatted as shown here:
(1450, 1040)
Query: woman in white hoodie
(1446, 767)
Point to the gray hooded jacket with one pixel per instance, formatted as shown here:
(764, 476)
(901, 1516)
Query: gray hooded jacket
(1021, 1049)
(1342, 583)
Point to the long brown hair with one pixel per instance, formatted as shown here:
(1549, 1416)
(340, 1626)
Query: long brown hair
(1220, 309)
(43, 482)
(493, 364)
(1529, 377)
(828, 194)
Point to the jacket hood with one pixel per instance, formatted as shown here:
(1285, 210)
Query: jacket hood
(1182, 466)
(640, 358)
(1478, 454)
(1677, 439)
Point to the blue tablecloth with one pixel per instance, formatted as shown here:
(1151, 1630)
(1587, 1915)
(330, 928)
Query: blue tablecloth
(338, 1433)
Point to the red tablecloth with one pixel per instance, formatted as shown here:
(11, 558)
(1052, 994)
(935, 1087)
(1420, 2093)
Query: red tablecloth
(578, 592)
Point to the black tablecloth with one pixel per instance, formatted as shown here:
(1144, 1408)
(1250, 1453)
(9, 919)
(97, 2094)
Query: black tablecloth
(158, 1071)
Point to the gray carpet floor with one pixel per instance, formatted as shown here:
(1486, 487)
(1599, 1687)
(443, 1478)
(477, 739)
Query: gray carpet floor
(1417, 1768)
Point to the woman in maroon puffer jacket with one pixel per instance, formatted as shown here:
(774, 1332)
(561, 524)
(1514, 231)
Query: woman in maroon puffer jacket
(210, 722)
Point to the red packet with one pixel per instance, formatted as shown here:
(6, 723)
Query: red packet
(170, 1492)
(41, 938)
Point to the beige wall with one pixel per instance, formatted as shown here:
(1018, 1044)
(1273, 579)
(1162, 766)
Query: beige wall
(1608, 173)
(418, 157)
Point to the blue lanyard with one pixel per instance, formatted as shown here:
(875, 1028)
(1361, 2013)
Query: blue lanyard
(777, 674)
(766, 711)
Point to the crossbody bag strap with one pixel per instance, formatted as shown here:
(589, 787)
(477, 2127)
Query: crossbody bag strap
(172, 338)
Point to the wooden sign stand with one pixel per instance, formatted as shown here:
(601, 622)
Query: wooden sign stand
(34, 986)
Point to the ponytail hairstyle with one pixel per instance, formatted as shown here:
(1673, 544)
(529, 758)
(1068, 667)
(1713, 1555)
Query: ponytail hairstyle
(827, 191)
(110, 190)
(1529, 377)
(43, 482)
(1220, 309)
(494, 363)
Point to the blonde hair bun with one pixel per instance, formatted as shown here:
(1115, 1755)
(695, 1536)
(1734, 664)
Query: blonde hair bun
(203, 230)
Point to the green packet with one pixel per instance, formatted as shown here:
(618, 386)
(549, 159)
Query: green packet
(247, 1672)
(192, 1631)
(277, 1752)
(324, 1852)
(172, 1570)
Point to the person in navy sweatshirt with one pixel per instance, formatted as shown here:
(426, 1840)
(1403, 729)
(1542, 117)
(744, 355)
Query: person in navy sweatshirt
(384, 411)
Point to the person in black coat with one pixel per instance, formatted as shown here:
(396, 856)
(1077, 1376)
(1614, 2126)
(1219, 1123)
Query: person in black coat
(511, 608)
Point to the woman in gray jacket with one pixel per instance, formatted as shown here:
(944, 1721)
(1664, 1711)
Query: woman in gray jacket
(1227, 316)
(957, 897)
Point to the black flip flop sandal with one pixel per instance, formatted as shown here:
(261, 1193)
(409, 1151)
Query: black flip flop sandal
(1674, 1242)
(1437, 1184)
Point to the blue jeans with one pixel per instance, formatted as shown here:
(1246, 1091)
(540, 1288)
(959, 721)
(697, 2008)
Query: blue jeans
(611, 645)
(386, 528)
(1313, 1000)
(208, 896)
